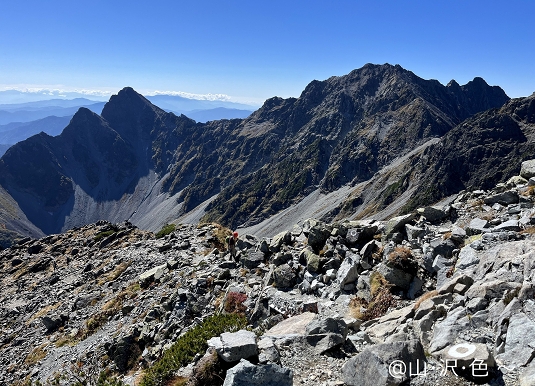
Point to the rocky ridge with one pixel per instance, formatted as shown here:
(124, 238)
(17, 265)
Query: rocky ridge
(138, 163)
(327, 304)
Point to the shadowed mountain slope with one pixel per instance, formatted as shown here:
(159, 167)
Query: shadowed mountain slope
(138, 162)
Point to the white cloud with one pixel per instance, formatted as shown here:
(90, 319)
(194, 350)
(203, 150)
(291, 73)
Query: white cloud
(63, 93)
(205, 97)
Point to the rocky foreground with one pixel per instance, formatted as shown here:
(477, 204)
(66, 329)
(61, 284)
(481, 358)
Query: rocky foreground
(441, 296)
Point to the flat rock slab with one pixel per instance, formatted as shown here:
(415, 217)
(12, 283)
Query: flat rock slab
(296, 325)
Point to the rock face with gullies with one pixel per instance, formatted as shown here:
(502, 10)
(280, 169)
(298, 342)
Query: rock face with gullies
(339, 131)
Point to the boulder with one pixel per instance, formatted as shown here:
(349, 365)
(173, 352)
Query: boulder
(395, 276)
(151, 275)
(348, 271)
(233, 346)
(295, 325)
(527, 375)
(397, 224)
(433, 214)
(510, 225)
(284, 276)
(247, 374)
(476, 227)
(278, 240)
(312, 260)
(371, 366)
(268, 351)
(504, 198)
(527, 170)
(447, 330)
(317, 236)
(465, 356)
(467, 258)
(519, 344)
(52, 322)
(252, 259)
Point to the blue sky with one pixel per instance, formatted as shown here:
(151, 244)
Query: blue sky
(251, 50)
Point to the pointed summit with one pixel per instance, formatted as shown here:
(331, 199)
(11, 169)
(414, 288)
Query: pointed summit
(128, 113)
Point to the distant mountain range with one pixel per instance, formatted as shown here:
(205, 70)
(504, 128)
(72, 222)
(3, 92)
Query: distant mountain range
(375, 142)
(19, 121)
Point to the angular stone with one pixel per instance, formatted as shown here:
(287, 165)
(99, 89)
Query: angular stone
(510, 225)
(395, 276)
(151, 275)
(506, 198)
(233, 346)
(519, 343)
(397, 224)
(463, 356)
(447, 330)
(284, 276)
(371, 366)
(312, 260)
(467, 258)
(52, 322)
(268, 351)
(432, 213)
(348, 271)
(252, 259)
(318, 235)
(476, 227)
(247, 374)
(527, 375)
(295, 325)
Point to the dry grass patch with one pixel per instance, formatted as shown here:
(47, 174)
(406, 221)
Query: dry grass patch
(381, 300)
(424, 297)
(117, 271)
(528, 231)
(36, 355)
(43, 311)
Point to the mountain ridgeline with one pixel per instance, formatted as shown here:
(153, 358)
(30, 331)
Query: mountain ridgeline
(377, 141)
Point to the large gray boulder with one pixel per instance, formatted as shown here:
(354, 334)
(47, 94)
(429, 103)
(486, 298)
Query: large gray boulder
(519, 344)
(247, 374)
(348, 271)
(233, 346)
(527, 170)
(476, 227)
(397, 224)
(151, 275)
(467, 258)
(371, 366)
(317, 235)
(284, 276)
(395, 276)
(433, 214)
(505, 198)
(464, 355)
(252, 259)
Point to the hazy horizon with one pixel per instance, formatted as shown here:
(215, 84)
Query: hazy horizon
(246, 52)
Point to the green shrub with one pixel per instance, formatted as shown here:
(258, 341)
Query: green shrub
(99, 236)
(166, 229)
(188, 345)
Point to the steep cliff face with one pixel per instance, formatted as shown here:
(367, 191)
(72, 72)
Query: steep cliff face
(480, 152)
(138, 162)
(343, 131)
